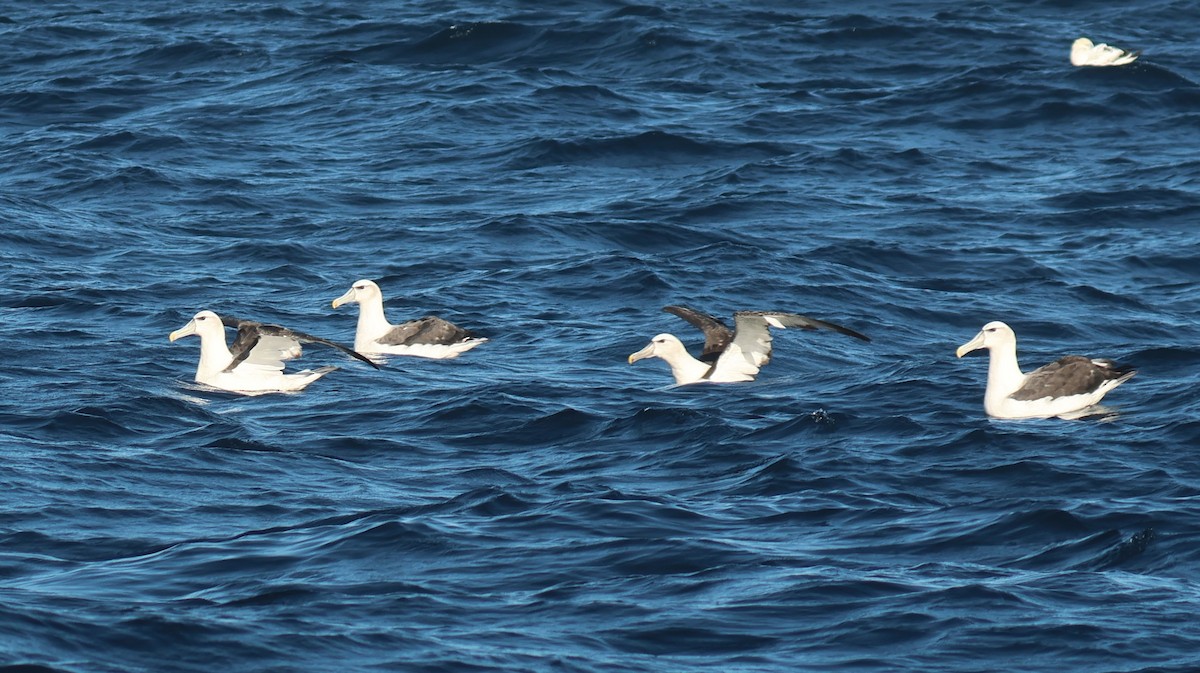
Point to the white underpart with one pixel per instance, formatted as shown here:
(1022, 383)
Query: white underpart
(373, 326)
(1085, 53)
(251, 382)
(433, 351)
(261, 372)
(750, 349)
(1005, 378)
(740, 361)
(737, 364)
(271, 350)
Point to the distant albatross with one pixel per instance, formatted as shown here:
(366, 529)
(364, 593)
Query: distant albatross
(1085, 53)
(729, 355)
(1061, 388)
(428, 337)
(254, 363)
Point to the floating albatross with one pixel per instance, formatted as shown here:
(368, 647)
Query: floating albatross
(1085, 53)
(254, 363)
(729, 355)
(428, 337)
(1061, 388)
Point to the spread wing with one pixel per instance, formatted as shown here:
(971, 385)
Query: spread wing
(427, 330)
(269, 345)
(1071, 375)
(246, 343)
(751, 346)
(804, 322)
(717, 336)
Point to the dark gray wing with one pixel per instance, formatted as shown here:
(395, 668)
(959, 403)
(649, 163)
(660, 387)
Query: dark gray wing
(250, 333)
(1071, 375)
(803, 322)
(428, 330)
(245, 341)
(717, 336)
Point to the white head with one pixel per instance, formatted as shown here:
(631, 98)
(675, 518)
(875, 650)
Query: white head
(663, 346)
(361, 292)
(204, 323)
(992, 335)
(1079, 51)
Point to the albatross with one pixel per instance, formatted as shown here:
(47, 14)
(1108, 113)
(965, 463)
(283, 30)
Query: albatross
(254, 363)
(1061, 388)
(428, 337)
(1085, 53)
(729, 355)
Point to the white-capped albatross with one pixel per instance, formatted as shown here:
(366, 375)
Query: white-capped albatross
(1086, 53)
(729, 355)
(1061, 388)
(254, 363)
(428, 337)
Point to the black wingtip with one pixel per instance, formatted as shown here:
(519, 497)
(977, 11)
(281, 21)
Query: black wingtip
(857, 335)
(841, 329)
(365, 359)
(699, 319)
(1119, 370)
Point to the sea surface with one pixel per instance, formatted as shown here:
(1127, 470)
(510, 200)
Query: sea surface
(551, 175)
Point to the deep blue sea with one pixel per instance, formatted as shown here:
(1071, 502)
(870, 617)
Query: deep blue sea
(551, 175)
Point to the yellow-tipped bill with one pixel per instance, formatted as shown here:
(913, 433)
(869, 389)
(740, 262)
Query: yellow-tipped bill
(348, 297)
(971, 345)
(646, 352)
(187, 330)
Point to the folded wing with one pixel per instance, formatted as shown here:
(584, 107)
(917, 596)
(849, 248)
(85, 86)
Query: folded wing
(427, 330)
(1071, 375)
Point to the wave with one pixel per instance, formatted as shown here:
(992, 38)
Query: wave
(553, 177)
(649, 148)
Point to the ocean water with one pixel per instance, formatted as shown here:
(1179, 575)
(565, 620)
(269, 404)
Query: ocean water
(552, 175)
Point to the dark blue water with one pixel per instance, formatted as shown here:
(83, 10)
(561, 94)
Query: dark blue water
(552, 176)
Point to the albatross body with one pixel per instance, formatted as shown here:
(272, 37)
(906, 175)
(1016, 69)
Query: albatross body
(428, 337)
(1061, 388)
(1085, 53)
(729, 355)
(254, 364)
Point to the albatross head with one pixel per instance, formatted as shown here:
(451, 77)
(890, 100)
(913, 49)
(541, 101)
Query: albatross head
(1080, 49)
(992, 335)
(204, 322)
(663, 346)
(360, 292)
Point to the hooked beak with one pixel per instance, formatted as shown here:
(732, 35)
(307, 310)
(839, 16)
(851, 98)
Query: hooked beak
(973, 344)
(647, 352)
(348, 297)
(187, 330)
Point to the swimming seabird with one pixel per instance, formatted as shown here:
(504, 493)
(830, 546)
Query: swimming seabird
(254, 363)
(729, 355)
(1060, 388)
(1084, 52)
(428, 337)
